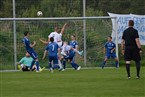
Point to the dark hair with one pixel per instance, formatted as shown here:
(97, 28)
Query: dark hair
(51, 39)
(131, 23)
(110, 37)
(73, 36)
(25, 33)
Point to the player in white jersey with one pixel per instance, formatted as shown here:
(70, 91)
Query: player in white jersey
(57, 35)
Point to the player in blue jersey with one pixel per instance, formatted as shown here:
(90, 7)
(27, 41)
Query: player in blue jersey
(54, 51)
(70, 54)
(109, 50)
(74, 44)
(29, 48)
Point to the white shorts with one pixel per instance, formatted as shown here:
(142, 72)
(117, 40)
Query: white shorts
(67, 48)
(60, 44)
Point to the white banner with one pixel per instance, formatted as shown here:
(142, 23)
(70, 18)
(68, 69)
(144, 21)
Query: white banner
(122, 24)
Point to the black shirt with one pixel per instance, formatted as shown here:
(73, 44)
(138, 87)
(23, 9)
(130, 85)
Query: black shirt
(129, 35)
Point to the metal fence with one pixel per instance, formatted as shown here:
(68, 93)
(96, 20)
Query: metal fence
(91, 34)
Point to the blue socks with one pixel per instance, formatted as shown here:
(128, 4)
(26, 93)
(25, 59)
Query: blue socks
(103, 64)
(74, 65)
(116, 64)
(37, 65)
(64, 64)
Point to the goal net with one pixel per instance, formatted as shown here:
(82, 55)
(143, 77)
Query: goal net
(91, 38)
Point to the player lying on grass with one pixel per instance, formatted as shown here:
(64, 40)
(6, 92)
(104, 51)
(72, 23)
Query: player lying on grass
(29, 48)
(57, 35)
(25, 63)
(109, 50)
(53, 54)
(70, 54)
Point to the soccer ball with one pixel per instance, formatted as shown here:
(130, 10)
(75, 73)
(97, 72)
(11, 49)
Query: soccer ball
(39, 13)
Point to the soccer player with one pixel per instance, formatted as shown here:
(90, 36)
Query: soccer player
(131, 48)
(29, 48)
(70, 53)
(25, 63)
(57, 35)
(74, 44)
(53, 50)
(109, 50)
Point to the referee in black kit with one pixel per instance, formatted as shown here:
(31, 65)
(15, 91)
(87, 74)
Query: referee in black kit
(131, 48)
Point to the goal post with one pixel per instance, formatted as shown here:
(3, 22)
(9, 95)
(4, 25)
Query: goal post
(96, 31)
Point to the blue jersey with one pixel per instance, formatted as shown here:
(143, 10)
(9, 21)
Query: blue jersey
(52, 48)
(27, 45)
(74, 44)
(70, 55)
(109, 46)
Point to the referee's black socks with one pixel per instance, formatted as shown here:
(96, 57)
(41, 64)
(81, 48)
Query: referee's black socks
(128, 69)
(138, 68)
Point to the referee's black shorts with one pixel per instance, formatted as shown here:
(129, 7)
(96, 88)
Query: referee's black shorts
(132, 53)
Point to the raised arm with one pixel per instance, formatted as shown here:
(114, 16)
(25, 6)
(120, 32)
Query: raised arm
(63, 28)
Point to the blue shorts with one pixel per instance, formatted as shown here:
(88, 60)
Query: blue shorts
(33, 55)
(54, 59)
(69, 57)
(112, 55)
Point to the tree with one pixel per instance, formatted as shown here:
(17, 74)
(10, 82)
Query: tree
(6, 9)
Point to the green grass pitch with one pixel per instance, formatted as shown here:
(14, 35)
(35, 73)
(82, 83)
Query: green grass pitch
(71, 83)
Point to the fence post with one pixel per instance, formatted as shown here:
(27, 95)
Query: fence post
(84, 32)
(14, 32)
(116, 40)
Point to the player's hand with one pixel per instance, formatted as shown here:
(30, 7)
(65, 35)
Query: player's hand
(34, 42)
(65, 24)
(140, 50)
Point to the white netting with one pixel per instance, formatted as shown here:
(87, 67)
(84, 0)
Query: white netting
(97, 31)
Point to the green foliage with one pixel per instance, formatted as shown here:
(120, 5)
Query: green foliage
(7, 8)
(70, 8)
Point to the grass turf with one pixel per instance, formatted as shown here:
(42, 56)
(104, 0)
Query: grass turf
(70, 83)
